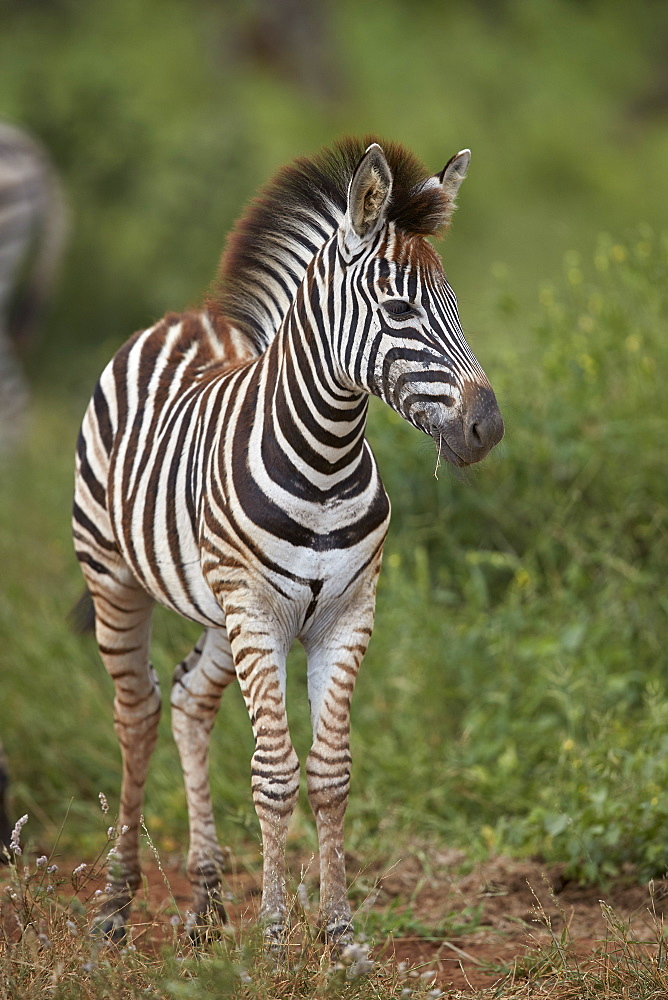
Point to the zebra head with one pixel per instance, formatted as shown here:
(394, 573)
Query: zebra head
(410, 348)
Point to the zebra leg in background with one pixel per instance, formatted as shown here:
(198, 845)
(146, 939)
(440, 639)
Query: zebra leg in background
(13, 397)
(199, 682)
(123, 628)
(260, 667)
(333, 664)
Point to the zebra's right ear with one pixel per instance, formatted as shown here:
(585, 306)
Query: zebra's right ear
(369, 193)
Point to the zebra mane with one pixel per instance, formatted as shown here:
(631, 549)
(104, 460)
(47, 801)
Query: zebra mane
(271, 245)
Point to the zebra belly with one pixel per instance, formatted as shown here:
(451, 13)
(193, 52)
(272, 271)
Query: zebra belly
(177, 584)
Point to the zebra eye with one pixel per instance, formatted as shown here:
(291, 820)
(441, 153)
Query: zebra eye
(397, 307)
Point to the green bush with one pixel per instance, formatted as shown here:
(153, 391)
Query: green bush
(529, 702)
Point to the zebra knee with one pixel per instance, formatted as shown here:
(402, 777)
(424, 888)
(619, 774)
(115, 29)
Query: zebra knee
(275, 782)
(138, 702)
(328, 781)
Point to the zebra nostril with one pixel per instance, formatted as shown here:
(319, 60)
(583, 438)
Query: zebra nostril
(485, 432)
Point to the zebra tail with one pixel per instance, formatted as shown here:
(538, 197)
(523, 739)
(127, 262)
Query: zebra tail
(81, 618)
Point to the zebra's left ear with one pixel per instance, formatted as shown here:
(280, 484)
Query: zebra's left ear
(453, 173)
(369, 193)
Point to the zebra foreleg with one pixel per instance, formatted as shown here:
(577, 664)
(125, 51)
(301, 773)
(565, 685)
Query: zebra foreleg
(122, 626)
(332, 670)
(199, 682)
(260, 668)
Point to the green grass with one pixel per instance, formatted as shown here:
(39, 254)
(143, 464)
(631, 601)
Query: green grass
(513, 697)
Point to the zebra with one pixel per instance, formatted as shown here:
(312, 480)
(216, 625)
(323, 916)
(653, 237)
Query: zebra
(31, 211)
(223, 471)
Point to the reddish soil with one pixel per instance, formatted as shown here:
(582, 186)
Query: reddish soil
(467, 925)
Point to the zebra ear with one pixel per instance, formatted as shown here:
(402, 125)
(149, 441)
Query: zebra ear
(369, 193)
(453, 173)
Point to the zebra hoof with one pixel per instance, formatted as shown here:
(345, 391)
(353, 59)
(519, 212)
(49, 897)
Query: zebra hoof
(203, 924)
(111, 929)
(274, 938)
(338, 933)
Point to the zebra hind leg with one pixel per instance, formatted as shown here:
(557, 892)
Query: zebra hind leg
(122, 627)
(199, 682)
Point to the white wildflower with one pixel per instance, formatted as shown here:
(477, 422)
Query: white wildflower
(16, 833)
(51, 869)
(41, 861)
(80, 869)
(356, 958)
(104, 805)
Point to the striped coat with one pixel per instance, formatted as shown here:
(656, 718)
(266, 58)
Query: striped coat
(223, 471)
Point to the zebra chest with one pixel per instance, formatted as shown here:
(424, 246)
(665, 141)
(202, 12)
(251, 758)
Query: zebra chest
(293, 576)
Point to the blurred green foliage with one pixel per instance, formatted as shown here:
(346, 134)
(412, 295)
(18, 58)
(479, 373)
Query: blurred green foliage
(163, 120)
(514, 694)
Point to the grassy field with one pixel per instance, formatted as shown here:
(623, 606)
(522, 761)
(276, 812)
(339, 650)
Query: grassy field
(513, 694)
(513, 699)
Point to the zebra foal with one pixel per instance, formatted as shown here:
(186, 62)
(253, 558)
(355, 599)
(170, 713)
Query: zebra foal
(222, 470)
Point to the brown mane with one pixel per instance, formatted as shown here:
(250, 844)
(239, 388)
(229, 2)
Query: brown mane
(272, 244)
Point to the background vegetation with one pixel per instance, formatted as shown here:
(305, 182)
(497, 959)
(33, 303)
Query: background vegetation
(514, 695)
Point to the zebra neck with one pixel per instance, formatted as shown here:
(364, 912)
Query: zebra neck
(312, 428)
